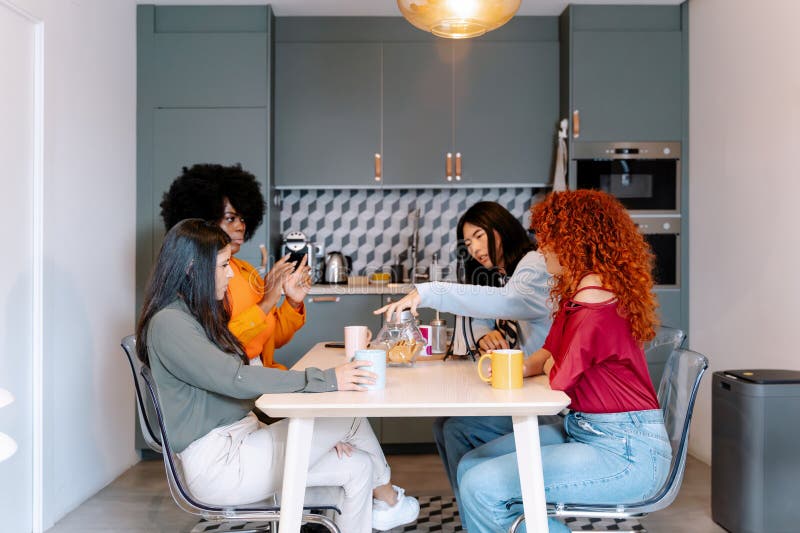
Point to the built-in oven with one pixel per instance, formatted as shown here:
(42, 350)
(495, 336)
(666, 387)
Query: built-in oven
(663, 233)
(645, 176)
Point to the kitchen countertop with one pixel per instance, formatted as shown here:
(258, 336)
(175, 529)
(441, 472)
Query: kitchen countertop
(361, 288)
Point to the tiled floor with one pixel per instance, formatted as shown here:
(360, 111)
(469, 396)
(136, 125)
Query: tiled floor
(139, 500)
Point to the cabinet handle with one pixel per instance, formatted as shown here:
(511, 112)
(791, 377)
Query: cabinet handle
(378, 168)
(576, 124)
(458, 166)
(323, 299)
(448, 166)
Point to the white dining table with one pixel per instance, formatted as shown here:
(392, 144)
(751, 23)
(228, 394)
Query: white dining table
(430, 388)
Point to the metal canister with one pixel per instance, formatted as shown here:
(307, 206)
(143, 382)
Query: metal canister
(438, 336)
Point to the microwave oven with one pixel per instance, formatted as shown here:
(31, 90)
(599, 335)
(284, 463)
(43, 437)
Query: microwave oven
(645, 177)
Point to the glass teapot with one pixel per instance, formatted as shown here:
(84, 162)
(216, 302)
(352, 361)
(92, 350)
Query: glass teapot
(401, 339)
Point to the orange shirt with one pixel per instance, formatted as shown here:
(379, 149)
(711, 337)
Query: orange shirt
(260, 333)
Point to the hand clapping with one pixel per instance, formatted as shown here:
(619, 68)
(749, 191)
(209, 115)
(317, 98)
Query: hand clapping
(298, 283)
(273, 280)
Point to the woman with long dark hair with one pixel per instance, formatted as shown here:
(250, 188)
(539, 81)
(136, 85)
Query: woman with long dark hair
(504, 289)
(208, 390)
(491, 243)
(613, 447)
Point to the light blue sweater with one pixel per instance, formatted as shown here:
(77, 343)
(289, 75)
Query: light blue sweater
(523, 298)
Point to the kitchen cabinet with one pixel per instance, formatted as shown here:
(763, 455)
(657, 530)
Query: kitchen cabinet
(326, 317)
(624, 72)
(444, 98)
(506, 110)
(624, 77)
(417, 112)
(345, 91)
(327, 113)
(203, 78)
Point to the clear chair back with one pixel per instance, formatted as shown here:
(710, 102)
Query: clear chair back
(676, 396)
(658, 350)
(147, 415)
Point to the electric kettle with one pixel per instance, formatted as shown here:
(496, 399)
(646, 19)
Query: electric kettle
(337, 266)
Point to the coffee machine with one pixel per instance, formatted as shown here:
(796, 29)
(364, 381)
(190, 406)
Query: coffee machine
(297, 244)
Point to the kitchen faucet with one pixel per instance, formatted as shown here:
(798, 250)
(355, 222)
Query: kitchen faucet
(414, 245)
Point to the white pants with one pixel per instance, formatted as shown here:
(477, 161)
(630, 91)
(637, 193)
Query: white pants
(243, 463)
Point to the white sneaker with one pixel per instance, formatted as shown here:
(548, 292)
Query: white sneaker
(385, 517)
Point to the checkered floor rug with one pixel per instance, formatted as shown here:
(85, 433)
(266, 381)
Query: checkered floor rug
(439, 514)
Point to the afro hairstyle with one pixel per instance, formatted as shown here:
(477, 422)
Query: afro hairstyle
(200, 192)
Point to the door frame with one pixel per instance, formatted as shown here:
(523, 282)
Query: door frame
(37, 269)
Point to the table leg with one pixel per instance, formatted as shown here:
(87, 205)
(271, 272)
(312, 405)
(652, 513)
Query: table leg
(529, 462)
(295, 471)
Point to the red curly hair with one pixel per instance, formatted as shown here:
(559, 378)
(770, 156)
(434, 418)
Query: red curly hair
(590, 232)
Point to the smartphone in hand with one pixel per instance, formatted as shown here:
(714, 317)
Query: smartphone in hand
(296, 257)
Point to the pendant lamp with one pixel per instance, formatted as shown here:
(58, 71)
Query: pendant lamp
(458, 19)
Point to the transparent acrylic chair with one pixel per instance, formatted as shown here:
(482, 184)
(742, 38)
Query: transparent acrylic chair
(658, 350)
(150, 432)
(676, 395)
(256, 518)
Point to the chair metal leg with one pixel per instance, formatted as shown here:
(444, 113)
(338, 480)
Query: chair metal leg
(520, 519)
(234, 526)
(260, 526)
(323, 521)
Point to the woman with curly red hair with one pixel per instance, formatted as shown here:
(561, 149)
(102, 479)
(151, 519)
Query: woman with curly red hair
(614, 447)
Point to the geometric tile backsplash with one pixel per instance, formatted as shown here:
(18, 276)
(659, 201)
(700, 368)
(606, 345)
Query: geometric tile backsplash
(373, 226)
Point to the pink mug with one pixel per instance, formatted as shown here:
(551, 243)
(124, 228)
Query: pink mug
(355, 338)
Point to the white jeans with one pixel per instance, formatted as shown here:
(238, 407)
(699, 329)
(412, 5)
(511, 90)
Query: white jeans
(243, 463)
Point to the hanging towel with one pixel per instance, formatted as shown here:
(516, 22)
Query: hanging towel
(560, 172)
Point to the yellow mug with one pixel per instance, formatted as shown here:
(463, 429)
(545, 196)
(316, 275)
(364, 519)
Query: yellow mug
(506, 369)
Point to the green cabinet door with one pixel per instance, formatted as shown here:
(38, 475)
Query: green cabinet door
(327, 113)
(506, 110)
(417, 112)
(326, 317)
(203, 93)
(182, 137)
(627, 85)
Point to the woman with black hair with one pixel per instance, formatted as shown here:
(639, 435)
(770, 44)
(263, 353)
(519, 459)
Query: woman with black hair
(504, 280)
(505, 289)
(208, 390)
(491, 244)
(231, 197)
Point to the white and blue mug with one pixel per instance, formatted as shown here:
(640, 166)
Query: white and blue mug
(378, 360)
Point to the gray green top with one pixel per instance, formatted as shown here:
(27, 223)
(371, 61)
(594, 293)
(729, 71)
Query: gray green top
(202, 387)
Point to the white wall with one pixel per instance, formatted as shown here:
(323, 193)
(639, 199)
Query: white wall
(17, 82)
(744, 189)
(89, 228)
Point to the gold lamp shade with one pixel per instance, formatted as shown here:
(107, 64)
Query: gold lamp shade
(458, 19)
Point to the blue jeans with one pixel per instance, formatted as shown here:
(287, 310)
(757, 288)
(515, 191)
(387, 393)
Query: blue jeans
(457, 435)
(602, 458)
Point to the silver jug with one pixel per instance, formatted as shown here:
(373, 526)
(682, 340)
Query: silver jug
(336, 268)
(438, 336)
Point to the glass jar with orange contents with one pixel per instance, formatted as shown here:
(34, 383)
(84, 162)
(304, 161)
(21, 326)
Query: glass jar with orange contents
(401, 339)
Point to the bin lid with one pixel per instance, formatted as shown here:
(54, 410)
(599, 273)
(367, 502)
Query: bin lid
(765, 376)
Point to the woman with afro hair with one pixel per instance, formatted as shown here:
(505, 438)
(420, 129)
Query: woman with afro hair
(231, 197)
(613, 446)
